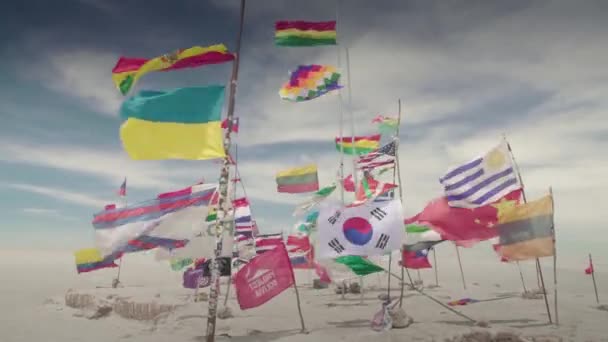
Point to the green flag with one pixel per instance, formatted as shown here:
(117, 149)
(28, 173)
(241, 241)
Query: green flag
(359, 265)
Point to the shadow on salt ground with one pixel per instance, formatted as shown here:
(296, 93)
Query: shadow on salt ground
(535, 325)
(356, 323)
(343, 305)
(253, 336)
(495, 321)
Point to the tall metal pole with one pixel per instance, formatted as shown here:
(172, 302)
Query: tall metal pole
(597, 298)
(223, 185)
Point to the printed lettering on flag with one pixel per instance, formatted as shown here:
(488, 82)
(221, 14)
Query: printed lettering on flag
(368, 229)
(263, 278)
(483, 180)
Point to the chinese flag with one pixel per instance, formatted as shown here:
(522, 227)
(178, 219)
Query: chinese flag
(263, 278)
(464, 225)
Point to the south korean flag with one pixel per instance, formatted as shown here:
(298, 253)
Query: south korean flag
(373, 228)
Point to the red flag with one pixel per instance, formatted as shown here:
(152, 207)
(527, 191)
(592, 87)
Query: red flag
(589, 270)
(415, 259)
(465, 225)
(348, 184)
(322, 273)
(110, 206)
(263, 278)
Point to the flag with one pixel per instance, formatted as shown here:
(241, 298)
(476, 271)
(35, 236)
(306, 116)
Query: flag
(211, 216)
(243, 222)
(166, 216)
(128, 70)
(266, 242)
(370, 189)
(359, 265)
(235, 124)
(301, 254)
(589, 270)
(348, 184)
(420, 237)
(526, 230)
(298, 180)
(178, 264)
(123, 188)
(361, 144)
(305, 33)
(146, 242)
(415, 259)
(368, 229)
(316, 198)
(322, 272)
(193, 278)
(463, 224)
(263, 278)
(386, 125)
(310, 81)
(376, 164)
(483, 180)
(91, 259)
(182, 123)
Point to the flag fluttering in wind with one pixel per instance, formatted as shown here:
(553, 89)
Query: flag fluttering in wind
(316, 198)
(369, 189)
(243, 221)
(415, 259)
(482, 180)
(182, 123)
(266, 242)
(128, 70)
(368, 229)
(386, 125)
(421, 237)
(359, 265)
(358, 145)
(123, 188)
(370, 160)
(304, 33)
(166, 217)
(91, 259)
(263, 278)
(467, 225)
(526, 230)
(301, 251)
(310, 81)
(298, 180)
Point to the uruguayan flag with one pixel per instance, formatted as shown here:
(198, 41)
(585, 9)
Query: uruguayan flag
(483, 180)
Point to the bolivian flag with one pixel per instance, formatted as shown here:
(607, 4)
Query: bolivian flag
(358, 145)
(182, 123)
(526, 231)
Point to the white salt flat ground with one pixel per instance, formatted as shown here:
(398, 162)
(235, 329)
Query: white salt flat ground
(33, 288)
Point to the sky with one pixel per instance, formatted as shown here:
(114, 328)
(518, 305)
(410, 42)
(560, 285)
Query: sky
(466, 72)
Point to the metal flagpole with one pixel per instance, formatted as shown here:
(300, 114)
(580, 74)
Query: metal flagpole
(523, 283)
(460, 264)
(554, 261)
(523, 193)
(597, 298)
(223, 187)
(435, 266)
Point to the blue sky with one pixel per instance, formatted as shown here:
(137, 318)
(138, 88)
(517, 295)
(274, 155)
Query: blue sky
(466, 72)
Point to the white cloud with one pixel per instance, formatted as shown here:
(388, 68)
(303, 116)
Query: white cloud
(53, 213)
(61, 194)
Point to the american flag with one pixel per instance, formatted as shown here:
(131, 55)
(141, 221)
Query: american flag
(123, 188)
(369, 161)
(266, 242)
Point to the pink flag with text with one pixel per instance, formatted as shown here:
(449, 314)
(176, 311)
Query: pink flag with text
(263, 278)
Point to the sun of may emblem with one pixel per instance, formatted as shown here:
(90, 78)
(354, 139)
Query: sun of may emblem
(495, 160)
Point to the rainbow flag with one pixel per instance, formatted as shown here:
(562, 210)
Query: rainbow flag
(298, 180)
(305, 33)
(90, 259)
(361, 145)
(182, 123)
(310, 81)
(128, 70)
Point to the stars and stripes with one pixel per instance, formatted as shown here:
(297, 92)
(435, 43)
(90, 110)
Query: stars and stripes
(371, 160)
(483, 180)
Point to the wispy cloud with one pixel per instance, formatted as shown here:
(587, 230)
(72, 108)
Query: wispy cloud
(61, 194)
(53, 213)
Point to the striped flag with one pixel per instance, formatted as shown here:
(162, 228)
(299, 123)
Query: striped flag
(300, 251)
(243, 223)
(483, 180)
(386, 150)
(266, 242)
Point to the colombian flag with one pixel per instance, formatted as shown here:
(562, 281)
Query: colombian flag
(90, 259)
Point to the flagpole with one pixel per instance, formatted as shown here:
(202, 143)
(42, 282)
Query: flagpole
(597, 298)
(523, 193)
(223, 186)
(234, 242)
(460, 264)
(295, 287)
(554, 261)
(117, 280)
(341, 125)
(521, 275)
(435, 267)
(397, 170)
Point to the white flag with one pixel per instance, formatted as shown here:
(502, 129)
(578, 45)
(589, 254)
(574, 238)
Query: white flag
(371, 229)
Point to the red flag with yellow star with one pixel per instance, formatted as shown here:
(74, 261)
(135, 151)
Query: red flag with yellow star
(466, 226)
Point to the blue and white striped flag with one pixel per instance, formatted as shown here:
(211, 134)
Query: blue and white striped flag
(483, 180)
